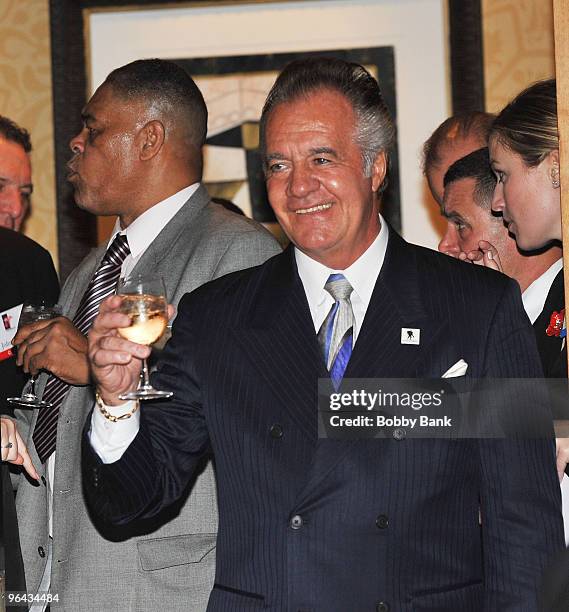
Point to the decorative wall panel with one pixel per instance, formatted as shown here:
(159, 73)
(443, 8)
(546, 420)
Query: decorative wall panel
(25, 97)
(518, 47)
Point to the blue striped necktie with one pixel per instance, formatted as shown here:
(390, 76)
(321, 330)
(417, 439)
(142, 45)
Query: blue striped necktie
(103, 284)
(336, 335)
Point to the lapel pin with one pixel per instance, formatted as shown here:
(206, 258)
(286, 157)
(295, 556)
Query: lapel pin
(410, 335)
(556, 325)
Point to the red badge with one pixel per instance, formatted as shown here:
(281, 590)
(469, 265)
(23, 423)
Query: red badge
(9, 352)
(556, 323)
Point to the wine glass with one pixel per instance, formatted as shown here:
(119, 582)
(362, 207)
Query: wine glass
(144, 301)
(32, 312)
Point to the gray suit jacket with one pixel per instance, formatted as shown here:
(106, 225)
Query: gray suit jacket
(166, 564)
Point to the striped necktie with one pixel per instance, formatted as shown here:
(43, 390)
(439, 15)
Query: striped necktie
(102, 285)
(336, 335)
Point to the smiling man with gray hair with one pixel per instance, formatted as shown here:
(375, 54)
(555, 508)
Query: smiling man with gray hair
(325, 525)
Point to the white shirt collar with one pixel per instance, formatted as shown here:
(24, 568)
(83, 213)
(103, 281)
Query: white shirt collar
(535, 295)
(362, 275)
(144, 229)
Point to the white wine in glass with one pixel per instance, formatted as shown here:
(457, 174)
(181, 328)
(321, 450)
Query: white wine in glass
(147, 313)
(144, 301)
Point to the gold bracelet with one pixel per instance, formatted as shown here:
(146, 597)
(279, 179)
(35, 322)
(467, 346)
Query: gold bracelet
(112, 417)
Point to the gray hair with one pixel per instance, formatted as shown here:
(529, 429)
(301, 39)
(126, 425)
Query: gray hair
(375, 131)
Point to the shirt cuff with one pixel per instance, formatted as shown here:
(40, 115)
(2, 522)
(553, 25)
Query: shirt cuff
(110, 440)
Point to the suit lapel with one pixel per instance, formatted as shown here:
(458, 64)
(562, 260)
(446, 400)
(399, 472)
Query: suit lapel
(76, 285)
(155, 255)
(396, 302)
(281, 341)
(551, 349)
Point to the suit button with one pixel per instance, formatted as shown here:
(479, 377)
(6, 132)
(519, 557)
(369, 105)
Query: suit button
(382, 521)
(399, 433)
(296, 521)
(41, 551)
(382, 606)
(276, 431)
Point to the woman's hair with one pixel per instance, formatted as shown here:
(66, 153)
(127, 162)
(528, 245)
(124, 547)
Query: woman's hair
(528, 124)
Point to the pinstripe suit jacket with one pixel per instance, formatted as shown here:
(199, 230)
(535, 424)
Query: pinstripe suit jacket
(332, 526)
(153, 564)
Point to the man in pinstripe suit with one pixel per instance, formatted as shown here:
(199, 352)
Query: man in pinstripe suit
(325, 525)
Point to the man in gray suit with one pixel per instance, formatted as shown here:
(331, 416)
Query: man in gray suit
(138, 156)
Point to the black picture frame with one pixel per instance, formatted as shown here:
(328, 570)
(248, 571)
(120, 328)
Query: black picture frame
(76, 229)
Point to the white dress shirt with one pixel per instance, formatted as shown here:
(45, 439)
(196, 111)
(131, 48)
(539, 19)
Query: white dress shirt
(535, 295)
(144, 229)
(110, 440)
(362, 276)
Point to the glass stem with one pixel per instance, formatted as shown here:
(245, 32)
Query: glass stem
(145, 376)
(31, 383)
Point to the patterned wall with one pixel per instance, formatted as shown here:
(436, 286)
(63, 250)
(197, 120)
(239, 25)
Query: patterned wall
(25, 97)
(518, 47)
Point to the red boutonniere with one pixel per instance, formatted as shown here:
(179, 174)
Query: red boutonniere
(556, 325)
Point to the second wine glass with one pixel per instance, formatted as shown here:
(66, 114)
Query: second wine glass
(144, 301)
(32, 312)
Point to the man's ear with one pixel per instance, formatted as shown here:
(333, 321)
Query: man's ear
(151, 138)
(378, 170)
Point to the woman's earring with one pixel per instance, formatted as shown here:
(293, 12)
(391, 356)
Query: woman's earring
(555, 177)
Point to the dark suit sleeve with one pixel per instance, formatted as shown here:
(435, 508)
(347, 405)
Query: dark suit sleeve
(520, 493)
(45, 277)
(28, 275)
(160, 462)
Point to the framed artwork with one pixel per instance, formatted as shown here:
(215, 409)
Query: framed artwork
(235, 62)
(235, 89)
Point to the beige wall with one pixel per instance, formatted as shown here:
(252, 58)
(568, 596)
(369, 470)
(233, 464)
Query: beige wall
(25, 97)
(518, 47)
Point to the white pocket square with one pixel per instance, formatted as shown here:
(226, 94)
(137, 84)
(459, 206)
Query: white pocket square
(458, 369)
